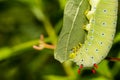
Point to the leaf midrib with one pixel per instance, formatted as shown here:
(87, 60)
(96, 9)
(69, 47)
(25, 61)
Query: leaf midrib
(77, 11)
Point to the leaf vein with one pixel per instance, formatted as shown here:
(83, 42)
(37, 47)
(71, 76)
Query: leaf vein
(77, 11)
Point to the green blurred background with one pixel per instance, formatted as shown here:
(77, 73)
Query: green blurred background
(21, 23)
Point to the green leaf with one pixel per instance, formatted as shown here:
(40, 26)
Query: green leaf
(99, 78)
(72, 32)
(116, 69)
(62, 3)
(104, 69)
(117, 38)
(53, 77)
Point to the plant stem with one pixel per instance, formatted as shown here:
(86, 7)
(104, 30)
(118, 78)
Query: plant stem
(112, 59)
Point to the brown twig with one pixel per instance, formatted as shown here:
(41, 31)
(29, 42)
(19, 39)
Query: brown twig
(112, 59)
(43, 45)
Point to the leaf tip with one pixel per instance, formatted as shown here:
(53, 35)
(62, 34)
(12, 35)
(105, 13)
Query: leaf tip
(58, 58)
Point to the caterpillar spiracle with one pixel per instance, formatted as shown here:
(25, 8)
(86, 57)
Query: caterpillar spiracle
(101, 30)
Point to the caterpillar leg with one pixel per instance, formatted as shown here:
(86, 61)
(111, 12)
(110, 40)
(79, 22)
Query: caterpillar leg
(93, 69)
(74, 50)
(95, 66)
(89, 14)
(72, 55)
(87, 27)
(81, 66)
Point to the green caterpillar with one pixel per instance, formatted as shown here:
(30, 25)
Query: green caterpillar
(101, 30)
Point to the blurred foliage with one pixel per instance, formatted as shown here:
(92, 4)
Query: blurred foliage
(21, 23)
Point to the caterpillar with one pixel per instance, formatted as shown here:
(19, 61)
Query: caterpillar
(101, 30)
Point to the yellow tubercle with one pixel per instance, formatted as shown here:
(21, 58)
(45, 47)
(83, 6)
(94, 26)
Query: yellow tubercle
(72, 55)
(74, 49)
(80, 44)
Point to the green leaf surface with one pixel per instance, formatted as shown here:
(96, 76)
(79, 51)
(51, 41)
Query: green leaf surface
(117, 38)
(72, 32)
(104, 69)
(53, 77)
(116, 69)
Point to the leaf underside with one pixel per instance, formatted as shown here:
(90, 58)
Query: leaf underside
(72, 32)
